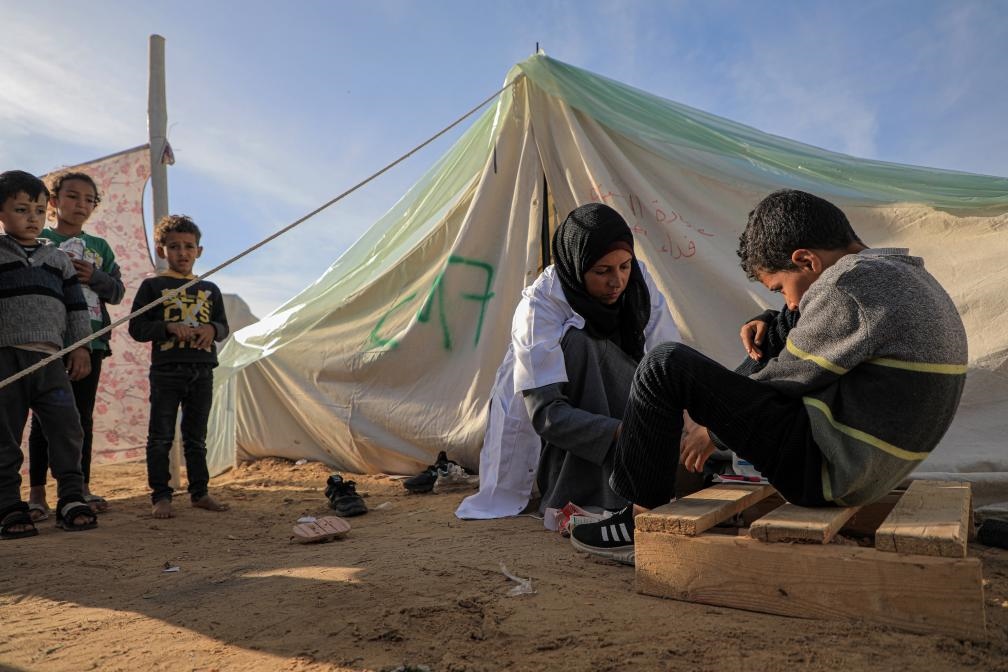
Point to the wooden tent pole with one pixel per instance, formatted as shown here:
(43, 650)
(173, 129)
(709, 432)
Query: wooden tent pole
(157, 128)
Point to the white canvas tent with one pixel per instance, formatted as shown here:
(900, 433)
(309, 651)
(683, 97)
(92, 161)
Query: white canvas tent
(390, 355)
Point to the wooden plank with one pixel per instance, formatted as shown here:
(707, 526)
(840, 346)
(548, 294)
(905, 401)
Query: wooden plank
(917, 593)
(801, 524)
(931, 518)
(861, 524)
(702, 510)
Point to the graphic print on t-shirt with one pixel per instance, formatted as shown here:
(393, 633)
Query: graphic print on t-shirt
(192, 310)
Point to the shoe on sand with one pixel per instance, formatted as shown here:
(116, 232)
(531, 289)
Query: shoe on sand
(611, 537)
(452, 478)
(343, 497)
(425, 480)
(326, 528)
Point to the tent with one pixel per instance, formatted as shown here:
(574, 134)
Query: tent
(390, 355)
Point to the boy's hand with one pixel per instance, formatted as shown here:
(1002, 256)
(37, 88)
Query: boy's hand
(179, 331)
(84, 270)
(203, 336)
(78, 363)
(695, 447)
(752, 334)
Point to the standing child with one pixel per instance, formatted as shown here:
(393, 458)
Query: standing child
(74, 198)
(182, 331)
(41, 307)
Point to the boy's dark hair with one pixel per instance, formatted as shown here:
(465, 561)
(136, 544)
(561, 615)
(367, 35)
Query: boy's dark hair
(175, 224)
(14, 182)
(57, 183)
(788, 220)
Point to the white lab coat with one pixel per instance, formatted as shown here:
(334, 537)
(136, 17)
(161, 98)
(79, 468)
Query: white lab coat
(510, 453)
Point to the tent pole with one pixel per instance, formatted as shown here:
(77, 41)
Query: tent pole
(157, 129)
(544, 234)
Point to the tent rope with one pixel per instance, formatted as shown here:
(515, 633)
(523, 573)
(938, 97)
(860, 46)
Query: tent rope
(104, 330)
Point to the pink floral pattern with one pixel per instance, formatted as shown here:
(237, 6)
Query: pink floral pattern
(121, 409)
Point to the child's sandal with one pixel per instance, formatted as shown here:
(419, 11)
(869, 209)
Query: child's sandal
(67, 513)
(14, 516)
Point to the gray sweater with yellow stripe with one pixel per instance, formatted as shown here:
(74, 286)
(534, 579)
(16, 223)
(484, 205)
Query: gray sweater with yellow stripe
(879, 359)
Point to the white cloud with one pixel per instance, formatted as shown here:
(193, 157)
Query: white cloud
(48, 92)
(806, 87)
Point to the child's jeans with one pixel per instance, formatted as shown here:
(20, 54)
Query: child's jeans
(189, 386)
(46, 393)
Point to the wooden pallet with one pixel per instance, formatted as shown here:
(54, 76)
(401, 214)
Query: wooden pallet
(916, 577)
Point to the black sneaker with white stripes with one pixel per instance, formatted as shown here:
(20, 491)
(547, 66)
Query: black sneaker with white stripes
(611, 538)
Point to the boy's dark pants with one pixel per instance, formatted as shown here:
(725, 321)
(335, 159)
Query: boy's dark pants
(189, 386)
(760, 424)
(85, 391)
(47, 394)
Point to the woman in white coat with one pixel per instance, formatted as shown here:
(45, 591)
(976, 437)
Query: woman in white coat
(576, 338)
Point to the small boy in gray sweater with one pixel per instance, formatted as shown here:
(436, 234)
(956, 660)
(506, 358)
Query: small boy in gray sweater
(41, 307)
(866, 386)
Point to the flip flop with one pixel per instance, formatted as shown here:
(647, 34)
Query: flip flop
(38, 512)
(97, 504)
(326, 528)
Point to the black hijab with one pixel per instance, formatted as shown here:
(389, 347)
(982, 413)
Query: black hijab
(582, 239)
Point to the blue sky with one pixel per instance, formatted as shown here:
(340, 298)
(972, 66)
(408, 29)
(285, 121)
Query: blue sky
(274, 108)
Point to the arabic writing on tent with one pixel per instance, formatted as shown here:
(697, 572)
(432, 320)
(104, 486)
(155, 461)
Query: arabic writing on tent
(677, 236)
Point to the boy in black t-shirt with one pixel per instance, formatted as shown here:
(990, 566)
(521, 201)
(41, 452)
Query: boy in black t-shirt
(182, 332)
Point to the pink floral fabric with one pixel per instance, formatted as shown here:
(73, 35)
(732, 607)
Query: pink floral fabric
(121, 408)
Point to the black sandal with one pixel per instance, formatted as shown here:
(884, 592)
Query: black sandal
(14, 516)
(68, 512)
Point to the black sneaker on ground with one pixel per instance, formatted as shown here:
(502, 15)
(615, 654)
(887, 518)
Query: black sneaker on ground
(611, 538)
(425, 480)
(343, 497)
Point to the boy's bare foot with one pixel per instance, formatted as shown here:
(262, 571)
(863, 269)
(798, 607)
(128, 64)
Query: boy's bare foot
(163, 509)
(210, 504)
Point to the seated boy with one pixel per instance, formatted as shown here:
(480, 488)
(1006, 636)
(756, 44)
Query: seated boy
(865, 388)
(41, 306)
(182, 331)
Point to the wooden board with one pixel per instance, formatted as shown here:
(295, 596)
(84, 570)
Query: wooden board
(917, 593)
(931, 518)
(702, 510)
(801, 524)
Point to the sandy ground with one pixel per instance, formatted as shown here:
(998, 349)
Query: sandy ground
(410, 588)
